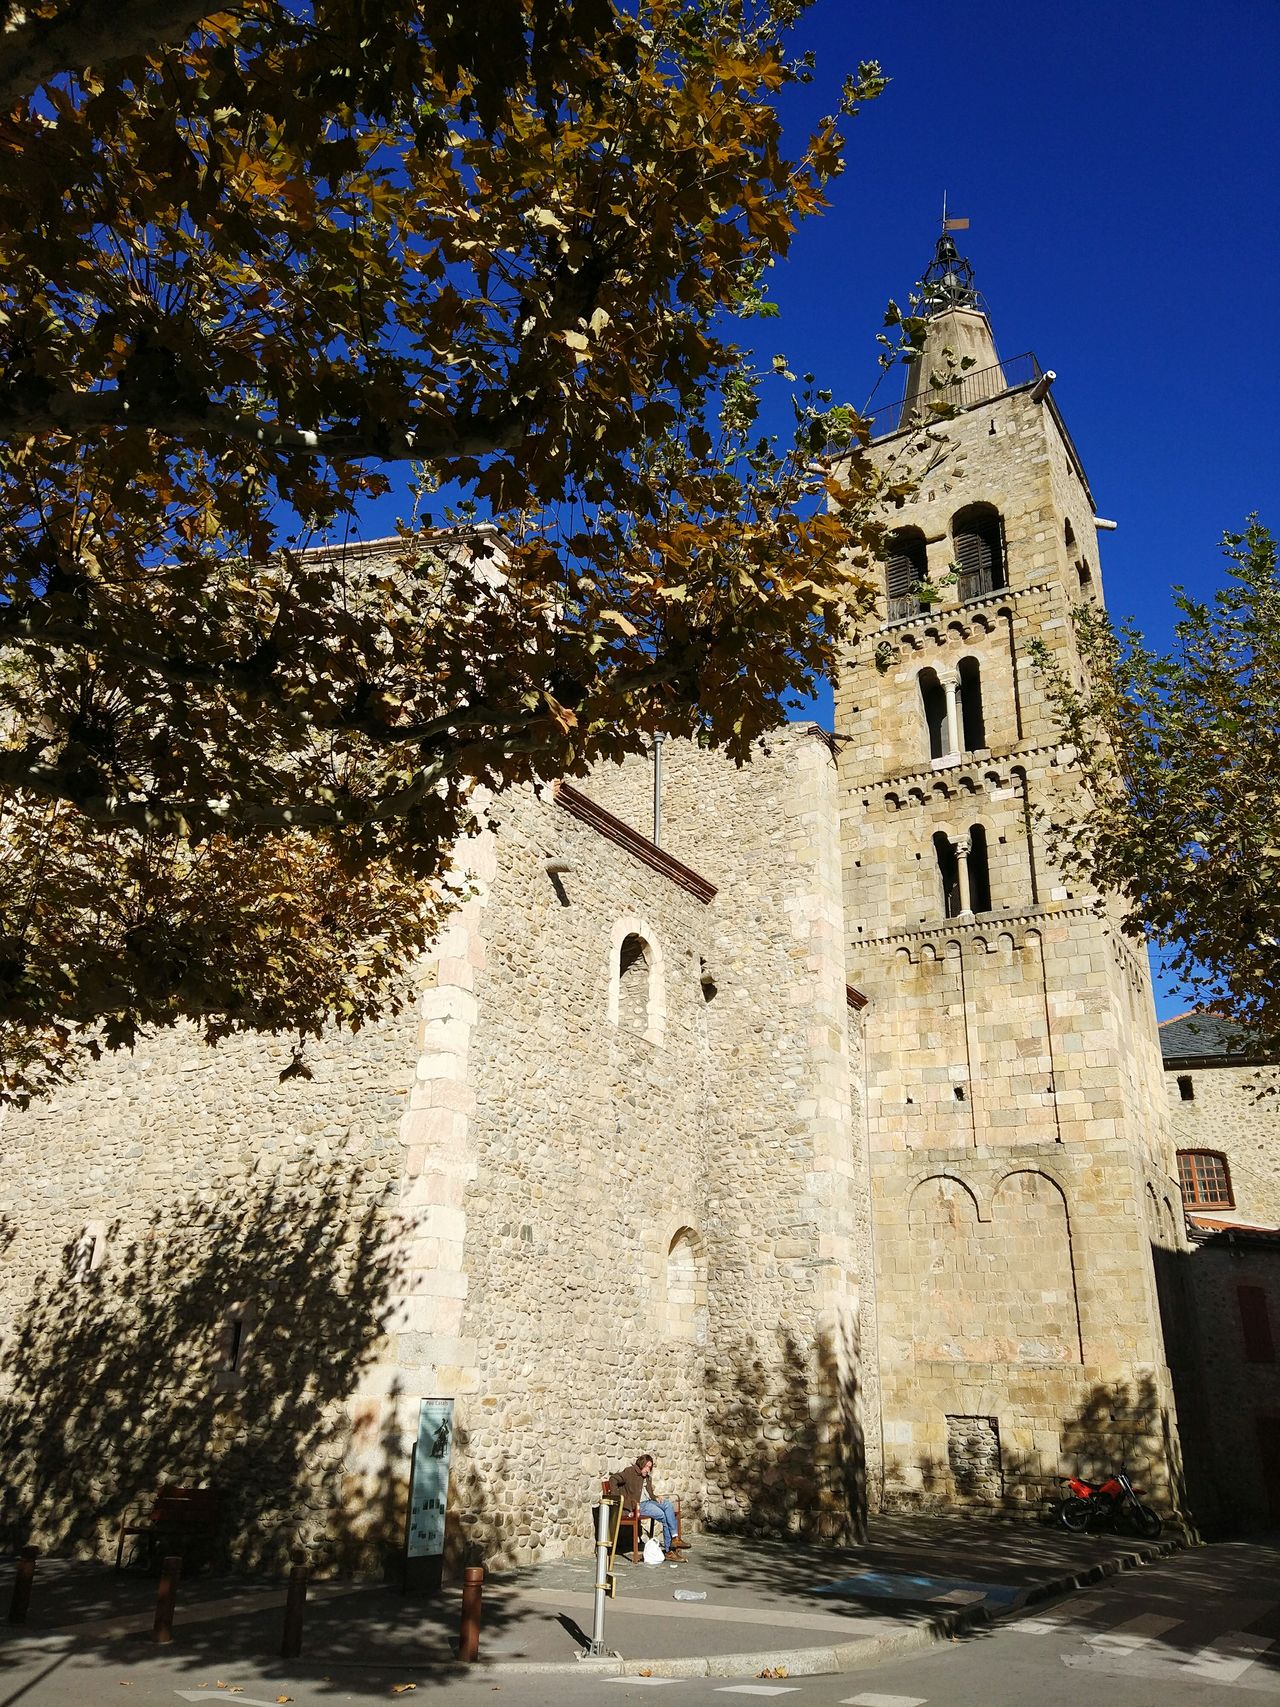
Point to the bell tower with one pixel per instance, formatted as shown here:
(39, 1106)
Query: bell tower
(1020, 1158)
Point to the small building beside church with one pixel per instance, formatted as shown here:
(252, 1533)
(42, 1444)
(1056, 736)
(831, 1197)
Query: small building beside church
(1224, 1105)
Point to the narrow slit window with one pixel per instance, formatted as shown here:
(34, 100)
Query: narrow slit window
(1186, 1089)
(933, 697)
(979, 871)
(633, 984)
(948, 875)
(972, 721)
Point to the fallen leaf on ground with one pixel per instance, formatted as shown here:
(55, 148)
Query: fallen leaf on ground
(773, 1671)
(281, 1699)
(400, 1688)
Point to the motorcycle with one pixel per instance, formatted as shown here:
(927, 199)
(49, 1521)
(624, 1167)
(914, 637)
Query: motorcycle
(1088, 1505)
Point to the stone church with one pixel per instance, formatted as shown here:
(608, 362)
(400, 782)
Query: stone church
(817, 1141)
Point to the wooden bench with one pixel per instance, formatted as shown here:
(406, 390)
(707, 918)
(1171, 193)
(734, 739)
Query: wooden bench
(177, 1515)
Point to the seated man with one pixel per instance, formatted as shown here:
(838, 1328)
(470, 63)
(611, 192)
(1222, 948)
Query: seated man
(635, 1486)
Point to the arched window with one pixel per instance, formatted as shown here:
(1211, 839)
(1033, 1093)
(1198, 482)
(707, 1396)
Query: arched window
(637, 993)
(977, 535)
(948, 874)
(979, 873)
(686, 1289)
(971, 719)
(1205, 1180)
(933, 698)
(633, 984)
(906, 567)
(86, 1254)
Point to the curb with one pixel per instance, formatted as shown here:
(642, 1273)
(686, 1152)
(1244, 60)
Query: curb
(791, 1662)
(840, 1657)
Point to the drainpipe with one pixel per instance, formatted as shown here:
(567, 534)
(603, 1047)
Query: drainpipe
(657, 789)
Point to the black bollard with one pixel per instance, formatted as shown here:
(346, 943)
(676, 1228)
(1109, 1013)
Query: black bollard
(23, 1578)
(295, 1602)
(170, 1572)
(469, 1633)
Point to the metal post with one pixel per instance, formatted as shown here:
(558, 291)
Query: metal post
(469, 1632)
(657, 788)
(23, 1578)
(170, 1572)
(295, 1602)
(596, 1647)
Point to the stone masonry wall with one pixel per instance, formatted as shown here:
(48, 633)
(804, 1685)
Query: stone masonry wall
(590, 1163)
(790, 1282)
(598, 1220)
(1234, 1471)
(150, 1207)
(1013, 1111)
(1235, 1110)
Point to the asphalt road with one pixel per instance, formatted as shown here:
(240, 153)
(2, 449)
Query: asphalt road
(1201, 1627)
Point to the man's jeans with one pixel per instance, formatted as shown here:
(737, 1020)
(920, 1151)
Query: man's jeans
(665, 1512)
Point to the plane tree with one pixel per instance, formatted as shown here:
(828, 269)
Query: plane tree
(262, 266)
(1181, 755)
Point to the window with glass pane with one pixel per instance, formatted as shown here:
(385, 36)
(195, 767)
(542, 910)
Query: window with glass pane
(1204, 1179)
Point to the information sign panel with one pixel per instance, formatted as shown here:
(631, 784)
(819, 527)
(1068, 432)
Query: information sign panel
(429, 1496)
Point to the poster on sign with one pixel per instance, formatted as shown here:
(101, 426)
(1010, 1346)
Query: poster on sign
(429, 1494)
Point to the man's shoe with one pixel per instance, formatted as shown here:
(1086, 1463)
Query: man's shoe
(680, 1546)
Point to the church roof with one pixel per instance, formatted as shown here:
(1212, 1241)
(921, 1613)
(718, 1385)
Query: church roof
(1204, 1039)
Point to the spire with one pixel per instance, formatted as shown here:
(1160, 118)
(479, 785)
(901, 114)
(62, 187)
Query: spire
(948, 279)
(958, 339)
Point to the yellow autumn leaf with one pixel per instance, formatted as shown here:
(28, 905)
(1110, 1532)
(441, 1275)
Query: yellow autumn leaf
(620, 621)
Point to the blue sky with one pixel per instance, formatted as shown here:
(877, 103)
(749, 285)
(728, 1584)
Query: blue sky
(1118, 163)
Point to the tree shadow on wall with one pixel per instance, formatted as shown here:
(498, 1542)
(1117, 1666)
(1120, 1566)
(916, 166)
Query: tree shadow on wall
(1116, 1424)
(121, 1378)
(789, 1452)
(1124, 1423)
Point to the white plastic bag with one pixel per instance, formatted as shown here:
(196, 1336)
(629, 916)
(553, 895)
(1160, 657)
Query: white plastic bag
(653, 1554)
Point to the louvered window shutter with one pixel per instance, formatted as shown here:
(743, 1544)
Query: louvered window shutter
(900, 575)
(1255, 1324)
(973, 553)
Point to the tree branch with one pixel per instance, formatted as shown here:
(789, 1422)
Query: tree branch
(76, 412)
(91, 794)
(33, 49)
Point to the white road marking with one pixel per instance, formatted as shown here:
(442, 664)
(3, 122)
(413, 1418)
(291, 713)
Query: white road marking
(1135, 1633)
(641, 1680)
(224, 1696)
(1228, 1661)
(1224, 1660)
(873, 1700)
(787, 1616)
(757, 1689)
(1051, 1623)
